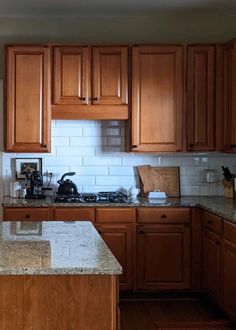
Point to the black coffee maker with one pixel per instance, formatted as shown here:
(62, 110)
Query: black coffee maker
(35, 186)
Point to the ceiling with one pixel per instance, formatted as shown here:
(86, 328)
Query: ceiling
(34, 8)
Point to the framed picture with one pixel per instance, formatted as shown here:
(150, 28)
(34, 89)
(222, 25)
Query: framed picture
(26, 166)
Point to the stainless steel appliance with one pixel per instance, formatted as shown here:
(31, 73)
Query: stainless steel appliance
(101, 197)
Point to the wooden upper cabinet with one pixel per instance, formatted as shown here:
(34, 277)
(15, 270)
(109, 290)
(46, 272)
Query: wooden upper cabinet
(90, 82)
(201, 98)
(28, 99)
(157, 100)
(230, 97)
(110, 75)
(71, 75)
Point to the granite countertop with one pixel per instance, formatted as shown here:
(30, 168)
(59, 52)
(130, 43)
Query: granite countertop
(42, 248)
(219, 205)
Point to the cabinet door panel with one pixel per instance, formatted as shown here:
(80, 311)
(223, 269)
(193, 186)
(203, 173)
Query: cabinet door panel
(211, 263)
(157, 80)
(71, 75)
(229, 98)
(229, 276)
(163, 257)
(120, 240)
(110, 75)
(28, 99)
(201, 96)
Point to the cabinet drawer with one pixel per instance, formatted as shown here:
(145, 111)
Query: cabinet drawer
(74, 214)
(229, 232)
(212, 222)
(164, 215)
(115, 215)
(24, 214)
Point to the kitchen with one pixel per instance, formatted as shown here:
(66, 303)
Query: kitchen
(95, 149)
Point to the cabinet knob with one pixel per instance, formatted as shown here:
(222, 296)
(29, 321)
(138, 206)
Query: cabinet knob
(233, 146)
(27, 216)
(100, 232)
(44, 145)
(209, 221)
(95, 98)
(134, 146)
(141, 232)
(191, 145)
(217, 243)
(83, 98)
(163, 216)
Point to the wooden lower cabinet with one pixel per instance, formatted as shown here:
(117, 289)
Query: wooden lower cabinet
(163, 257)
(211, 264)
(120, 240)
(229, 269)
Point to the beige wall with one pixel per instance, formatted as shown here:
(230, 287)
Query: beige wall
(160, 28)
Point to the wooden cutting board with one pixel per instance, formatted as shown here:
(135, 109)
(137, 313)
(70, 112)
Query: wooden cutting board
(164, 179)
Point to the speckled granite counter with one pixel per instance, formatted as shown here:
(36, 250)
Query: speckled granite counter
(54, 248)
(224, 207)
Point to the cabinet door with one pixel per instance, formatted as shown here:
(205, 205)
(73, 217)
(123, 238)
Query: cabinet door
(157, 86)
(120, 240)
(211, 263)
(163, 257)
(229, 276)
(200, 98)
(110, 75)
(229, 98)
(71, 75)
(28, 99)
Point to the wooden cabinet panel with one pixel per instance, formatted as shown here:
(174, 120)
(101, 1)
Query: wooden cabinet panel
(201, 98)
(229, 275)
(28, 99)
(211, 263)
(164, 215)
(157, 87)
(26, 214)
(74, 214)
(120, 240)
(90, 87)
(71, 75)
(110, 75)
(212, 222)
(113, 215)
(229, 97)
(163, 257)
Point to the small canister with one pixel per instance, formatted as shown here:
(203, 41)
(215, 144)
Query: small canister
(23, 192)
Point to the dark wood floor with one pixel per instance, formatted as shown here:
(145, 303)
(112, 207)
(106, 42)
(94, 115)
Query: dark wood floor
(143, 314)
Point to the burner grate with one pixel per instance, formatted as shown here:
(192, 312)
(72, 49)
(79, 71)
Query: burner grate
(103, 196)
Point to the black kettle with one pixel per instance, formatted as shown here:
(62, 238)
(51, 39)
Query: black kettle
(67, 187)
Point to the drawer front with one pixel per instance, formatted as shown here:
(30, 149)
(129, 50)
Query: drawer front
(229, 232)
(212, 222)
(74, 214)
(26, 214)
(164, 215)
(115, 215)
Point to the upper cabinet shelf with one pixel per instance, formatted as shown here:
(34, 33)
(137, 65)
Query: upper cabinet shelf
(90, 82)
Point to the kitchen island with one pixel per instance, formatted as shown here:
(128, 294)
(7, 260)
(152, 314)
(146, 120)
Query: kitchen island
(56, 275)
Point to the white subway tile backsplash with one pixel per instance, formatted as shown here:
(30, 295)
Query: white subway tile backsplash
(99, 161)
(75, 151)
(115, 180)
(95, 150)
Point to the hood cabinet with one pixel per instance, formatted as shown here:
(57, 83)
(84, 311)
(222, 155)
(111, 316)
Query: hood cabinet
(90, 82)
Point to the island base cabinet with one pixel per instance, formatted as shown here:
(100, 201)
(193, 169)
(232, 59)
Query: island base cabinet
(164, 257)
(59, 302)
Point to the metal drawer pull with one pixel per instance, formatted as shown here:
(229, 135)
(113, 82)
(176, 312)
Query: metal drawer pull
(164, 216)
(27, 216)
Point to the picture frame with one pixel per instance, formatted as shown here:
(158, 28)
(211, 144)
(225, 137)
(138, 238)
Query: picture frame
(26, 166)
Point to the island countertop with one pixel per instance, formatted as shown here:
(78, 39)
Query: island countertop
(54, 248)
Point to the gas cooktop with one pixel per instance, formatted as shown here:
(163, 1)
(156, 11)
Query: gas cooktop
(101, 197)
